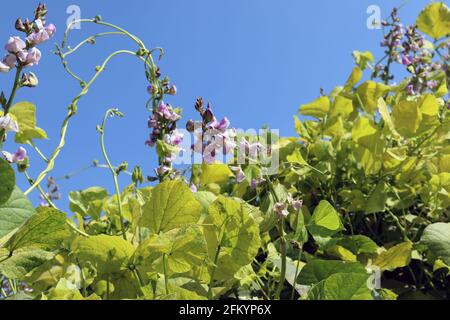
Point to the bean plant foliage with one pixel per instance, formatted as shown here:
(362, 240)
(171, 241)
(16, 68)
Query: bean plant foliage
(357, 208)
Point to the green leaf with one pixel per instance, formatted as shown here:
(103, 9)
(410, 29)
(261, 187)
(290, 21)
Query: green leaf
(14, 212)
(88, 202)
(434, 20)
(108, 254)
(341, 107)
(234, 233)
(325, 221)
(45, 230)
(318, 108)
(215, 173)
(341, 286)
(396, 257)
(358, 244)
(368, 93)
(23, 261)
(385, 114)
(171, 205)
(353, 79)
(377, 199)
(296, 157)
(362, 59)
(407, 117)
(184, 249)
(317, 270)
(429, 105)
(25, 114)
(437, 238)
(7, 181)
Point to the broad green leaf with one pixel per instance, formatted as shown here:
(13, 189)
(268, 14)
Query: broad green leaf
(88, 202)
(14, 212)
(7, 181)
(176, 291)
(22, 262)
(108, 254)
(342, 286)
(215, 173)
(386, 115)
(362, 128)
(353, 79)
(377, 199)
(317, 270)
(65, 290)
(429, 105)
(318, 108)
(396, 257)
(172, 205)
(437, 238)
(325, 221)
(407, 117)
(234, 234)
(47, 229)
(434, 20)
(363, 58)
(368, 93)
(205, 198)
(358, 244)
(296, 157)
(25, 114)
(182, 249)
(341, 107)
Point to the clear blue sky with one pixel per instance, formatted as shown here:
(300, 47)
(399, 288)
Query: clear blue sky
(255, 60)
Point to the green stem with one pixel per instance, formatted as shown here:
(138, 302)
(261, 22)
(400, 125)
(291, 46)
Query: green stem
(113, 172)
(71, 113)
(166, 280)
(300, 251)
(283, 249)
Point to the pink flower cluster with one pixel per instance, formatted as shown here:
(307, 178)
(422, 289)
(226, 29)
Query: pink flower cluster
(25, 53)
(211, 136)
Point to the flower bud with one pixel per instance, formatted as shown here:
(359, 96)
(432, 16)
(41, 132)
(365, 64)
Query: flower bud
(199, 105)
(190, 126)
(208, 115)
(29, 80)
(137, 177)
(19, 25)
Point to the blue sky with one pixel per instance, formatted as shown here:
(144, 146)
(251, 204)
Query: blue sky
(256, 61)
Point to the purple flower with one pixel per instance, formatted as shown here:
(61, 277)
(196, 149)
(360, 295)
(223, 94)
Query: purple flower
(297, 204)
(162, 170)
(167, 112)
(8, 124)
(10, 60)
(4, 68)
(410, 89)
(431, 84)
(15, 45)
(406, 60)
(208, 115)
(240, 175)
(38, 37)
(51, 29)
(221, 125)
(19, 156)
(31, 57)
(193, 188)
(256, 182)
(281, 209)
(175, 139)
(150, 88)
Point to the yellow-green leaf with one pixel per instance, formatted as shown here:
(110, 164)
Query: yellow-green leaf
(434, 20)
